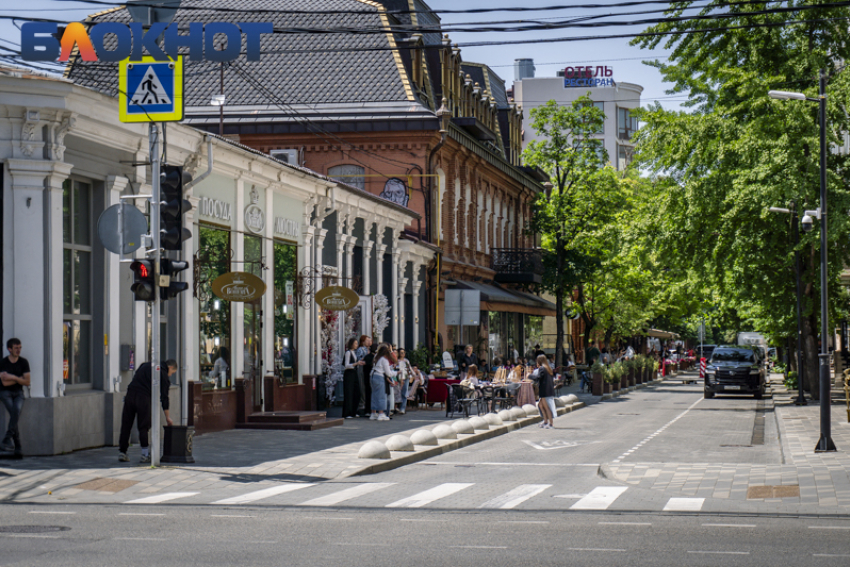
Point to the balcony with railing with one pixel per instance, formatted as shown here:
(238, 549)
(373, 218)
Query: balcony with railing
(517, 265)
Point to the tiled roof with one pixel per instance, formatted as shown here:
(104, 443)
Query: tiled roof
(293, 66)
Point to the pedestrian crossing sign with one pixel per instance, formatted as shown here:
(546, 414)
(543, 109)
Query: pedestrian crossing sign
(150, 90)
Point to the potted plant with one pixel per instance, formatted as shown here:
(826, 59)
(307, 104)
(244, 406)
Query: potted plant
(610, 378)
(596, 385)
(654, 370)
(629, 364)
(622, 372)
(639, 362)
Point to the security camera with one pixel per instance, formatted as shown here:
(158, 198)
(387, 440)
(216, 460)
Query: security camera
(808, 223)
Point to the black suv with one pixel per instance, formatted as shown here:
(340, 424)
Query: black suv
(735, 370)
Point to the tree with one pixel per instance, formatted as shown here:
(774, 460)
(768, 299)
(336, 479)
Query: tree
(737, 152)
(585, 195)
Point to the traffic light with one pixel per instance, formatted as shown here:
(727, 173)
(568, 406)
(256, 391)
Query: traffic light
(173, 207)
(143, 282)
(170, 268)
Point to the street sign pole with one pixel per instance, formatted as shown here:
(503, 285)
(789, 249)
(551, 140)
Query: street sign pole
(155, 153)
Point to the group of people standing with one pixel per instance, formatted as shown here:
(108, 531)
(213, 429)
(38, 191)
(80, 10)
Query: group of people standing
(378, 382)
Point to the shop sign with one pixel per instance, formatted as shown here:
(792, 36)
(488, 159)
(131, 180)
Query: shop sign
(588, 76)
(287, 227)
(255, 219)
(337, 298)
(215, 209)
(238, 286)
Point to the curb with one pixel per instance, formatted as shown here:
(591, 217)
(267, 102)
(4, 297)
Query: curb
(448, 445)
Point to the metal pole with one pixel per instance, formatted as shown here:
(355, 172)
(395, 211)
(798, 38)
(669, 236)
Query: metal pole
(155, 364)
(795, 223)
(825, 442)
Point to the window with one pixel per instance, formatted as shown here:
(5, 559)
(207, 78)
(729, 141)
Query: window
(285, 266)
(627, 124)
(214, 313)
(601, 128)
(77, 278)
(349, 174)
(624, 156)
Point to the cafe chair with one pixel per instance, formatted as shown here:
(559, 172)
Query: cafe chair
(457, 402)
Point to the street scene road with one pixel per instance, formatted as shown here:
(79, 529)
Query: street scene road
(660, 474)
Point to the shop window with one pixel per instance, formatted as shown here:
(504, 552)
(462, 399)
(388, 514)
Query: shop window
(77, 282)
(253, 315)
(285, 266)
(349, 174)
(214, 341)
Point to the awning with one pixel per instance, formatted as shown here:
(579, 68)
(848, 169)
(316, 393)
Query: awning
(498, 299)
(661, 334)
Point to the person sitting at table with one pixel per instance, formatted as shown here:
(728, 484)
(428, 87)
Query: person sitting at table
(417, 380)
(470, 383)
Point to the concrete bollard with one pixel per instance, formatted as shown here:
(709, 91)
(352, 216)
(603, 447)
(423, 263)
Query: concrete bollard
(493, 419)
(463, 427)
(530, 410)
(373, 450)
(506, 415)
(479, 424)
(518, 413)
(424, 437)
(444, 432)
(399, 443)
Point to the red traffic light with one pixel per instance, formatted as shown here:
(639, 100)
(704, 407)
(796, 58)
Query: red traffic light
(143, 280)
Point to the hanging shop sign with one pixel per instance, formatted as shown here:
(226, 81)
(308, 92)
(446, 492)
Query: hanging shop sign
(238, 286)
(337, 298)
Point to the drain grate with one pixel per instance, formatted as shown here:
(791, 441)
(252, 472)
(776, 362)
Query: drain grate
(777, 491)
(107, 485)
(32, 529)
(758, 425)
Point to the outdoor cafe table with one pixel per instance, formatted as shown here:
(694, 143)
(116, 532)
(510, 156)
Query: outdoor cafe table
(525, 395)
(438, 389)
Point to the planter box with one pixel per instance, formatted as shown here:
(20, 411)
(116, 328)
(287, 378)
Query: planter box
(597, 387)
(608, 388)
(624, 381)
(614, 386)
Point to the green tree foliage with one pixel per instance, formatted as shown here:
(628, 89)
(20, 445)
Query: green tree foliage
(737, 152)
(584, 198)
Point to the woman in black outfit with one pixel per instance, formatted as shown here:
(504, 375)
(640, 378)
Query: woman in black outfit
(546, 382)
(350, 384)
(466, 360)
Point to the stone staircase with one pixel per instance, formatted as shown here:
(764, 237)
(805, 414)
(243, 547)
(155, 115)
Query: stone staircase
(289, 421)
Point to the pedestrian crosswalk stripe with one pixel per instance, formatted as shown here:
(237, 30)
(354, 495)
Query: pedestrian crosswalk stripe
(262, 494)
(347, 494)
(159, 498)
(599, 498)
(428, 496)
(684, 505)
(515, 497)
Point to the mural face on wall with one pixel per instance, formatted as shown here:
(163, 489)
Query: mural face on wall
(396, 191)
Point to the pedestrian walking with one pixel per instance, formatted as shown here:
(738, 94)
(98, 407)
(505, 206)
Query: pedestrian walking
(382, 373)
(368, 359)
(591, 354)
(405, 375)
(363, 375)
(14, 375)
(137, 407)
(350, 383)
(466, 360)
(546, 382)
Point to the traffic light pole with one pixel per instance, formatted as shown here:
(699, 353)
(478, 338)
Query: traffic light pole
(155, 153)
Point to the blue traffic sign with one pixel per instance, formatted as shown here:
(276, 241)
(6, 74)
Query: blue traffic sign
(151, 91)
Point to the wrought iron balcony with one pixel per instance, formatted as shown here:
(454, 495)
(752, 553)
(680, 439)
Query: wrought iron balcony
(517, 265)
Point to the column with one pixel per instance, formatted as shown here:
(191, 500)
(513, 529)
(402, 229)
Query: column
(402, 289)
(367, 258)
(417, 287)
(380, 249)
(115, 186)
(396, 315)
(350, 243)
(237, 309)
(304, 322)
(321, 233)
(268, 298)
(33, 267)
(189, 319)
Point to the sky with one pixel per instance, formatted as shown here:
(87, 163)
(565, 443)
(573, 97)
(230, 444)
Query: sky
(626, 60)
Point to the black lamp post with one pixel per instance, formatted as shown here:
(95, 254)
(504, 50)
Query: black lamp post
(825, 442)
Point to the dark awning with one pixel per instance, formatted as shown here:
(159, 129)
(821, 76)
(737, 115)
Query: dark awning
(499, 299)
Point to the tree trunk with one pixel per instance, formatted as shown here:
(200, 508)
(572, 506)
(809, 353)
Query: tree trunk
(559, 307)
(810, 357)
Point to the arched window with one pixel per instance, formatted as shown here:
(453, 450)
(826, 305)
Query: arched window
(349, 174)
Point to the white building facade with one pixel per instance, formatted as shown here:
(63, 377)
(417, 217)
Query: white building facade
(617, 100)
(64, 159)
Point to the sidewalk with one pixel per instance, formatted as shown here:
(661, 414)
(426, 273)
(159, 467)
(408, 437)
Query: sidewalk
(240, 456)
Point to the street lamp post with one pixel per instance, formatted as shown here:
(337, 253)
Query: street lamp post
(825, 442)
(795, 226)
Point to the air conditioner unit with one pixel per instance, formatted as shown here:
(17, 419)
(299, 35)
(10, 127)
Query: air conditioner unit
(286, 156)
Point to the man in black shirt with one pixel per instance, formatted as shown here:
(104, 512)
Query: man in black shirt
(14, 375)
(137, 406)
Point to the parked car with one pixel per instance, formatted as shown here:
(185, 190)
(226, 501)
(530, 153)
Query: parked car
(735, 370)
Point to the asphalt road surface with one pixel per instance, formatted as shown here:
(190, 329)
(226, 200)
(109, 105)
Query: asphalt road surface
(532, 497)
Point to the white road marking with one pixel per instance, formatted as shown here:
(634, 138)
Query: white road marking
(31, 535)
(722, 552)
(46, 512)
(478, 547)
(515, 497)
(592, 549)
(599, 498)
(730, 526)
(347, 494)
(428, 496)
(663, 428)
(829, 527)
(625, 523)
(162, 498)
(684, 505)
(263, 494)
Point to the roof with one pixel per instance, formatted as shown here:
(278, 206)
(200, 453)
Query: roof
(296, 67)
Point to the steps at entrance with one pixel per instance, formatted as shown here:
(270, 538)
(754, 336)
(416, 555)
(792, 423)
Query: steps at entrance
(290, 420)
